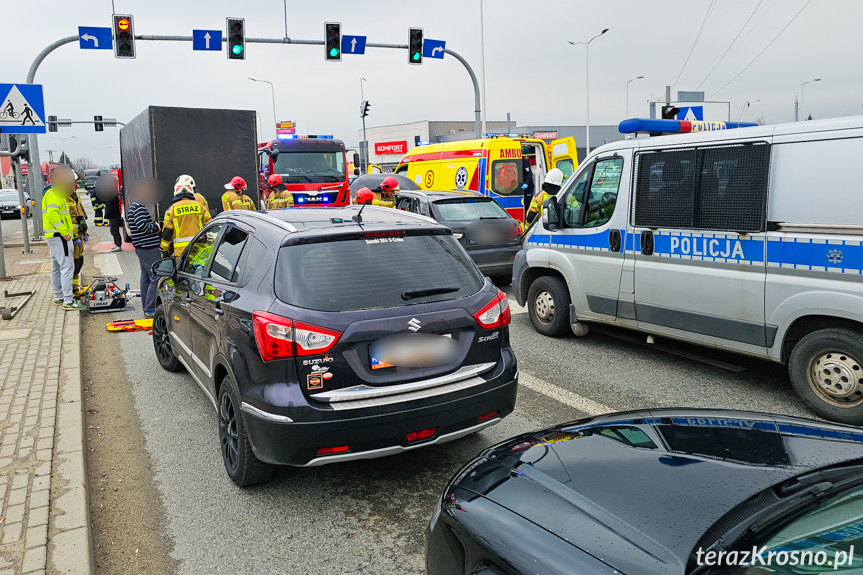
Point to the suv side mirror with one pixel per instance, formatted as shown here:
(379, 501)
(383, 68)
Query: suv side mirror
(550, 215)
(165, 268)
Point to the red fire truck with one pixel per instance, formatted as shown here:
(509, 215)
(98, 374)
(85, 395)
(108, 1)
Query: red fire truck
(313, 168)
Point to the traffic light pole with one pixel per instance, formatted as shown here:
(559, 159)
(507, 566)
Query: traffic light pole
(35, 163)
(476, 92)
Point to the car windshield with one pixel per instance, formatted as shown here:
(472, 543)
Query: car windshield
(467, 209)
(298, 167)
(8, 196)
(369, 273)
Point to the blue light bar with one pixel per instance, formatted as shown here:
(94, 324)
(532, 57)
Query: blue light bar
(653, 126)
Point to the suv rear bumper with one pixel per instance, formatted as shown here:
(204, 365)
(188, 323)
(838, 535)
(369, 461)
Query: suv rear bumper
(368, 437)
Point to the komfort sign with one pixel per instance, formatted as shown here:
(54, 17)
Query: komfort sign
(384, 148)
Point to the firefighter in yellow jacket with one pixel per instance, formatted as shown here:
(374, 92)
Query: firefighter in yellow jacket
(280, 198)
(385, 194)
(79, 236)
(550, 187)
(235, 198)
(183, 220)
(186, 179)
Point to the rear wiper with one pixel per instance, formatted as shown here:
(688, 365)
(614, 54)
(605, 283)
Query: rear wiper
(493, 218)
(422, 292)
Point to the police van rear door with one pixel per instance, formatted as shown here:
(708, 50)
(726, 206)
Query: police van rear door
(699, 219)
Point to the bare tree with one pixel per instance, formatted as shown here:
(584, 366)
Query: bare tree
(83, 163)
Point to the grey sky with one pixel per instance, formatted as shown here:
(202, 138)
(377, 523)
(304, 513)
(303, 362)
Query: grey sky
(531, 71)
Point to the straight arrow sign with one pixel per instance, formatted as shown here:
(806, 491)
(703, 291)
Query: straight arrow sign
(353, 44)
(207, 40)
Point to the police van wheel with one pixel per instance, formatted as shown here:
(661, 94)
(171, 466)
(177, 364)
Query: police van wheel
(548, 306)
(162, 342)
(826, 369)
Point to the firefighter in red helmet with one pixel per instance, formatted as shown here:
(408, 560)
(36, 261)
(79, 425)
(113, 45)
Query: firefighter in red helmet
(235, 197)
(279, 198)
(385, 194)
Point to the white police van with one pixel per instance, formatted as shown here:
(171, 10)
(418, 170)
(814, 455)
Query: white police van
(749, 239)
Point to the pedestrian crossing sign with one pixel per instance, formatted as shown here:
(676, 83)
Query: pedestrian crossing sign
(22, 109)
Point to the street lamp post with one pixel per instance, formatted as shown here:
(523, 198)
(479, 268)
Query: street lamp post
(103, 154)
(64, 143)
(587, 86)
(482, 65)
(365, 158)
(801, 93)
(273, 93)
(627, 92)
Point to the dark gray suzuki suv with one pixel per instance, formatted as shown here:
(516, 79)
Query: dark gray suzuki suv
(326, 335)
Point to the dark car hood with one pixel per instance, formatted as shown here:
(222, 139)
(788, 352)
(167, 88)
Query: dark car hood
(638, 490)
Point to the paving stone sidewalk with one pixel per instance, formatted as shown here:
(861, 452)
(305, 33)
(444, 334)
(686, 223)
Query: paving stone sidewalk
(44, 521)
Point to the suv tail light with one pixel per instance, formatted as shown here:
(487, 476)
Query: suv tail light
(276, 337)
(312, 340)
(495, 313)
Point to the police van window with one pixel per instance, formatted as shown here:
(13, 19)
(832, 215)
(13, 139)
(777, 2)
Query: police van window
(198, 252)
(506, 177)
(664, 189)
(720, 188)
(574, 197)
(224, 266)
(733, 187)
(603, 192)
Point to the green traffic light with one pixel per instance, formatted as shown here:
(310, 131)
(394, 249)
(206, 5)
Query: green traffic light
(334, 52)
(237, 49)
(416, 56)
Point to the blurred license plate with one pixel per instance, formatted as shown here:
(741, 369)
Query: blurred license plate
(412, 350)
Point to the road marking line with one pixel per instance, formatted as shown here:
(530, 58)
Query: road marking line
(108, 264)
(573, 400)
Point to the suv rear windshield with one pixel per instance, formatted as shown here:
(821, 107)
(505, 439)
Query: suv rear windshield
(467, 209)
(355, 274)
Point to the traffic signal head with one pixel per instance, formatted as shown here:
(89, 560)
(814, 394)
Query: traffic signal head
(669, 112)
(236, 39)
(333, 41)
(124, 36)
(52, 123)
(97, 124)
(364, 108)
(415, 46)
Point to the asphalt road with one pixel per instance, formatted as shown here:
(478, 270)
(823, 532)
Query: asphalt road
(370, 517)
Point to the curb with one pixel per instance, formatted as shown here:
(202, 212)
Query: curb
(70, 538)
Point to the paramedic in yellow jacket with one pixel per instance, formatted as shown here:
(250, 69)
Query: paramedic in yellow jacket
(550, 187)
(280, 198)
(235, 198)
(183, 220)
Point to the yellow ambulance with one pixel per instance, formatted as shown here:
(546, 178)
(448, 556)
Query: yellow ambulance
(492, 167)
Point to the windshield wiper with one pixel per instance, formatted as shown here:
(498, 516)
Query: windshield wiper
(422, 292)
(308, 179)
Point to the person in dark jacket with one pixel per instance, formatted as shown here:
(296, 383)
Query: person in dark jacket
(115, 220)
(146, 238)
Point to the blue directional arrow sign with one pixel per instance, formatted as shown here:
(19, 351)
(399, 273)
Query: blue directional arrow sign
(434, 48)
(353, 44)
(92, 38)
(207, 40)
(22, 109)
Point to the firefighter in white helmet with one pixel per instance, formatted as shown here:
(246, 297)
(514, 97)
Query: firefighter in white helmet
(550, 187)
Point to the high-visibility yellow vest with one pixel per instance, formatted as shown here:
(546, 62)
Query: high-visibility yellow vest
(55, 215)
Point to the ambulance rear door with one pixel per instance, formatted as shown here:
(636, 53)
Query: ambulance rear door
(563, 156)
